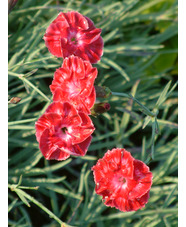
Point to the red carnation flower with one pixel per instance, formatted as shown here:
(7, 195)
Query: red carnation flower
(123, 181)
(74, 82)
(61, 131)
(72, 33)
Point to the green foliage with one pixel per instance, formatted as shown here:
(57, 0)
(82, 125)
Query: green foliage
(139, 66)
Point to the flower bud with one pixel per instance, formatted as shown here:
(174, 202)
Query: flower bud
(102, 92)
(11, 4)
(14, 100)
(100, 108)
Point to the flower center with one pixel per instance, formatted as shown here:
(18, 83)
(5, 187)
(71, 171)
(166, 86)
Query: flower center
(64, 129)
(74, 40)
(121, 180)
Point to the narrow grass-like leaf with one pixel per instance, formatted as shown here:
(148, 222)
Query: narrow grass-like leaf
(109, 36)
(39, 171)
(85, 207)
(169, 197)
(23, 199)
(65, 192)
(39, 181)
(144, 108)
(32, 199)
(21, 127)
(163, 95)
(22, 121)
(81, 183)
(165, 167)
(143, 152)
(145, 6)
(166, 222)
(116, 67)
(126, 115)
(153, 137)
(12, 205)
(21, 76)
(35, 88)
(125, 48)
(135, 214)
(146, 121)
(52, 194)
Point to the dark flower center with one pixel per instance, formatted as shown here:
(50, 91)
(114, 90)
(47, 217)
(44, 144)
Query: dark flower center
(122, 179)
(64, 129)
(74, 40)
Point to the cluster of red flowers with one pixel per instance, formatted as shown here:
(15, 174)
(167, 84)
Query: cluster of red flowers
(65, 128)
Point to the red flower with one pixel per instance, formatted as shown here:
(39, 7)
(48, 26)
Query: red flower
(74, 82)
(123, 181)
(72, 33)
(61, 131)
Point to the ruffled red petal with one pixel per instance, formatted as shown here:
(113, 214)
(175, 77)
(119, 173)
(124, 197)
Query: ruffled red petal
(59, 155)
(90, 100)
(47, 120)
(91, 36)
(80, 149)
(82, 105)
(47, 145)
(76, 20)
(67, 112)
(52, 40)
(78, 133)
(143, 177)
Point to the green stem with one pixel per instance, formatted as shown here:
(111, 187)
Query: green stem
(146, 110)
(22, 121)
(35, 88)
(21, 77)
(52, 215)
(121, 94)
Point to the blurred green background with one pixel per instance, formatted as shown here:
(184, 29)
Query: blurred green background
(140, 58)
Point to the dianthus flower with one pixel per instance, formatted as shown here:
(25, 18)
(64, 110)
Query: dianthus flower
(72, 33)
(123, 181)
(74, 82)
(63, 131)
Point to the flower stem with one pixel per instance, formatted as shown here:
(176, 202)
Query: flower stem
(35, 88)
(145, 109)
(22, 77)
(32, 199)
